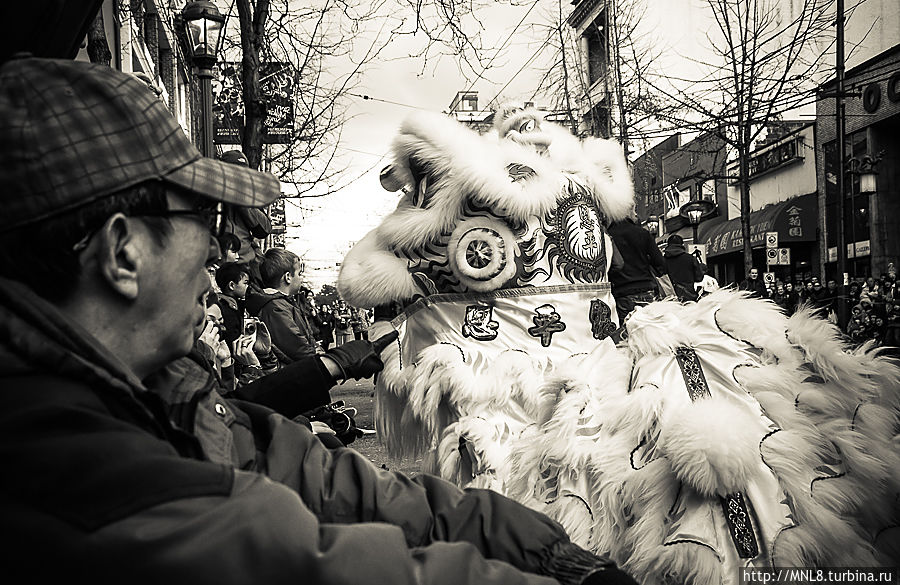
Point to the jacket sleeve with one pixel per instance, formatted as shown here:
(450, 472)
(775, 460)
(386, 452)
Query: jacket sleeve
(616, 263)
(655, 257)
(340, 486)
(294, 389)
(286, 334)
(698, 270)
(264, 533)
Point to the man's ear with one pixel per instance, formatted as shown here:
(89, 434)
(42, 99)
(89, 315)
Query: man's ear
(287, 277)
(120, 255)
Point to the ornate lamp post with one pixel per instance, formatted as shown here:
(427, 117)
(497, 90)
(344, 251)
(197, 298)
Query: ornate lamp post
(204, 26)
(695, 211)
(864, 168)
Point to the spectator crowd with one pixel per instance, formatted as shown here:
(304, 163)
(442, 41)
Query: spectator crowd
(873, 303)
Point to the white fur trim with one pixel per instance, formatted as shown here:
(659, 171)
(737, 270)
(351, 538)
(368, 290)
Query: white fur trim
(372, 275)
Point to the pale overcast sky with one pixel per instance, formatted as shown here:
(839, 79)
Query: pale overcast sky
(328, 226)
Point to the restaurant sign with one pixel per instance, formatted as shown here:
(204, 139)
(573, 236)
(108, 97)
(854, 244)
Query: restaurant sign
(794, 220)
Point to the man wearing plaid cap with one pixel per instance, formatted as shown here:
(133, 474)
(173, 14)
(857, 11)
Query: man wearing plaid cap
(109, 217)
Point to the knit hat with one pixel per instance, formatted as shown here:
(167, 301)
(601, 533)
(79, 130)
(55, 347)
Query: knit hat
(675, 240)
(73, 132)
(235, 157)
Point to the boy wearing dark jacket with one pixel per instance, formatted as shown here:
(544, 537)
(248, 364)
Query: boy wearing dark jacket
(293, 337)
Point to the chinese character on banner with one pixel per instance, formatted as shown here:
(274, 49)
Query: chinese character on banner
(276, 83)
(276, 216)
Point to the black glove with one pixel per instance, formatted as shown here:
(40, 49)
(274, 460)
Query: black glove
(359, 359)
(608, 576)
(572, 565)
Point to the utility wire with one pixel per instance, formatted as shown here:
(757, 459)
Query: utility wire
(497, 52)
(375, 99)
(522, 68)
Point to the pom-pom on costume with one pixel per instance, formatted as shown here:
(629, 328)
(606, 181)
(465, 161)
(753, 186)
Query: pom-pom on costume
(687, 442)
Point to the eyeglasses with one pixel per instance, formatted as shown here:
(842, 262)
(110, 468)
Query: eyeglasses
(211, 213)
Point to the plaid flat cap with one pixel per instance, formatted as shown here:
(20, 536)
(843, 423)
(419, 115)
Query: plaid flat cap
(73, 132)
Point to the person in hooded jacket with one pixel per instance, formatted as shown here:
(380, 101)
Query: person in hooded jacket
(684, 269)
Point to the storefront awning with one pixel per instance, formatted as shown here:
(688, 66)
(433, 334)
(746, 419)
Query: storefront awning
(794, 220)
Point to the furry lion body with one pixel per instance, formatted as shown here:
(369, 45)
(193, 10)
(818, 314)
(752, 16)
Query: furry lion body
(715, 435)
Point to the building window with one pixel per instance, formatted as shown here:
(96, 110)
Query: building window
(597, 48)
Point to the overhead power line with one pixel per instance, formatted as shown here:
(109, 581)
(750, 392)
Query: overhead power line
(375, 99)
(503, 46)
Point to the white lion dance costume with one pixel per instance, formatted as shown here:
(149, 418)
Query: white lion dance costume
(709, 436)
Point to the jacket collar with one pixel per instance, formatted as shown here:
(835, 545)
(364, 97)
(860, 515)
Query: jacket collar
(40, 335)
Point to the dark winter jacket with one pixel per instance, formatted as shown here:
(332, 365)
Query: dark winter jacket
(684, 270)
(324, 322)
(642, 260)
(293, 337)
(102, 487)
(233, 314)
(756, 287)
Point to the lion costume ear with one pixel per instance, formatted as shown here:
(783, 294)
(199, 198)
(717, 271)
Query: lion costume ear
(392, 179)
(420, 179)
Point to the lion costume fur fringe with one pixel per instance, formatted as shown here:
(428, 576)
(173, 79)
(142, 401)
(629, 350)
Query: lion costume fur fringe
(716, 434)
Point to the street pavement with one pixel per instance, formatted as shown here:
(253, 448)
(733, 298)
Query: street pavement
(360, 395)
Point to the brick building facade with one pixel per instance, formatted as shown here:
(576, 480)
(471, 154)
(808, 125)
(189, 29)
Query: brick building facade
(872, 219)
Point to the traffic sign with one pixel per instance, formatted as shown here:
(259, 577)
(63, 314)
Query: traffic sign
(771, 239)
(784, 256)
(772, 256)
(769, 277)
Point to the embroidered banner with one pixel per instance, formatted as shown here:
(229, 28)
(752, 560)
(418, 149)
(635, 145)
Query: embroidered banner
(550, 322)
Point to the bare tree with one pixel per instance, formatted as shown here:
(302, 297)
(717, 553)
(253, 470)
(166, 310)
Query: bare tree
(97, 46)
(767, 58)
(631, 101)
(453, 28)
(319, 43)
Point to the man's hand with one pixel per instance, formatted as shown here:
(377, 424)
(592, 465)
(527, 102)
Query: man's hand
(243, 351)
(360, 359)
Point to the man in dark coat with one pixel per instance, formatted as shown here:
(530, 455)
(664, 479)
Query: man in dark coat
(684, 269)
(754, 284)
(634, 284)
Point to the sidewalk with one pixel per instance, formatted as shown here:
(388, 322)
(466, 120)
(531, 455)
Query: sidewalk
(358, 394)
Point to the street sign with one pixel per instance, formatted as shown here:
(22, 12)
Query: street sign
(769, 277)
(771, 256)
(695, 247)
(771, 239)
(784, 256)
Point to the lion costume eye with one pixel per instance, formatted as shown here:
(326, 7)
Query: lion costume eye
(527, 126)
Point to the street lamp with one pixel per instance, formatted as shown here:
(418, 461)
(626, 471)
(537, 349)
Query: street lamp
(204, 27)
(864, 168)
(696, 211)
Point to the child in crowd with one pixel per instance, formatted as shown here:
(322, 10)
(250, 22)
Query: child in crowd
(292, 335)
